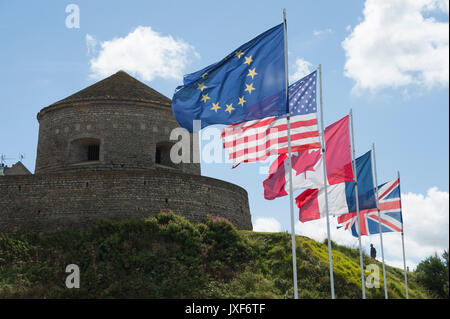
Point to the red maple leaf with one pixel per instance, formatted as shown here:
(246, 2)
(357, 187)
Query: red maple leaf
(305, 160)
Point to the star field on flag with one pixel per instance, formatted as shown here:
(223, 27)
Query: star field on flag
(246, 85)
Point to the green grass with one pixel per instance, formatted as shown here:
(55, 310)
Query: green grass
(166, 256)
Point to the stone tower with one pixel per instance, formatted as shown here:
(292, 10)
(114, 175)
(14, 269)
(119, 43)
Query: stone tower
(117, 123)
(104, 153)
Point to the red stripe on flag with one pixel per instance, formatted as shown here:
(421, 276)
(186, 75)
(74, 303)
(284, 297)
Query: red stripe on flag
(362, 223)
(268, 144)
(262, 123)
(384, 221)
(295, 124)
(384, 206)
(389, 189)
(263, 135)
(265, 141)
(345, 217)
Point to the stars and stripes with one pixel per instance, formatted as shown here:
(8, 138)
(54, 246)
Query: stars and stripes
(390, 213)
(258, 139)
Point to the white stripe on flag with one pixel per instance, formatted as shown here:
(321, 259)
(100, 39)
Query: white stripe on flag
(272, 137)
(258, 139)
(242, 130)
(266, 152)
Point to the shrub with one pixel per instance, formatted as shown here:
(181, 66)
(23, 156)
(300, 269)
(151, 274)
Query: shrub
(432, 273)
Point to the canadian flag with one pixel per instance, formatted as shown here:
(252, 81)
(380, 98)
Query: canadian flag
(307, 170)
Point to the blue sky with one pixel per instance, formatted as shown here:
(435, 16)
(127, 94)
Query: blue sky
(391, 71)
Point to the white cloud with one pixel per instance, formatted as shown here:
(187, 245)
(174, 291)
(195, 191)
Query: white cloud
(426, 229)
(91, 44)
(441, 5)
(301, 69)
(144, 53)
(395, 45)
(318, 33)
(266, 225)
(426, 222)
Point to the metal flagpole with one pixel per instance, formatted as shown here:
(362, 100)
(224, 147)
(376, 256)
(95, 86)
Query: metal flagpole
(361, 263)
(330, 258)
(291, 195)
(403, 240)
(379, 222)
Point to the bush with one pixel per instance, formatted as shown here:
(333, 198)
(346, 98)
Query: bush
(432, 273)
(166, 256)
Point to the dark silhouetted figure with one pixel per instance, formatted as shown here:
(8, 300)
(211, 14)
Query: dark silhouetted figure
(373, 252)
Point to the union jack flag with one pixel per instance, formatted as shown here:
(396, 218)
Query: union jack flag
(390, 213)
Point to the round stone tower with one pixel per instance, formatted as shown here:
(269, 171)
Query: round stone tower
(117, 123)
(104, 152)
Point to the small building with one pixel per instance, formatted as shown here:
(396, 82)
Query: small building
(16, 169)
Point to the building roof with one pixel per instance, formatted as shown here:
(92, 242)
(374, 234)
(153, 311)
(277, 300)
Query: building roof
(16, 169)
(119, 86)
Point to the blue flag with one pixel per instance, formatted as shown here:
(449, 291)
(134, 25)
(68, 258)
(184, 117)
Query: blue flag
(246, 85)
(366, 190)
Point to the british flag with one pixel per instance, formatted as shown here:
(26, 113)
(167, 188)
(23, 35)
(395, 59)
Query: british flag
(390, 213)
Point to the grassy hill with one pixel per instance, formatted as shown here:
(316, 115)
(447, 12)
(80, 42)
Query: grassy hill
(166, 256)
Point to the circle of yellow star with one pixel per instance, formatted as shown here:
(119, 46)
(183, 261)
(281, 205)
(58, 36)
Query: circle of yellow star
(252, 73)
(239, 53)
(205, 97)
(241, 101)
(204, 74)
(201, 86)
(215, 107)
(249, 88)
(229, 108)
(248, 60)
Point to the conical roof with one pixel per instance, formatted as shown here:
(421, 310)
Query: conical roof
(119, 86)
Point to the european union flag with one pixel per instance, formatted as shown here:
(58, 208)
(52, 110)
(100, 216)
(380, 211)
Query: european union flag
(246, 85)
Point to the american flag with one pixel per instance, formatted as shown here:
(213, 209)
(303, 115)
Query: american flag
(258, 139)
(390, 213)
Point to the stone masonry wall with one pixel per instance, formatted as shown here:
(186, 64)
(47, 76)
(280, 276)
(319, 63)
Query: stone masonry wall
(128, 133)
(69, 200)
